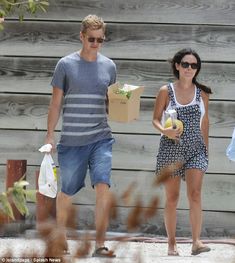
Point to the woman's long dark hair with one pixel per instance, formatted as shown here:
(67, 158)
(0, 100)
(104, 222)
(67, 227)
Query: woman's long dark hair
(177, 59)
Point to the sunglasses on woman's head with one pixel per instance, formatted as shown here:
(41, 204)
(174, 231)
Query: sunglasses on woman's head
(187, 64)
(97, 39)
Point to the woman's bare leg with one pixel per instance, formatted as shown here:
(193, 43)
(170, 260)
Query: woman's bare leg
(172, 189)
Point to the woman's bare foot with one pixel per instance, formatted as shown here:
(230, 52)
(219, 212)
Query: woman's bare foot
(172, 250)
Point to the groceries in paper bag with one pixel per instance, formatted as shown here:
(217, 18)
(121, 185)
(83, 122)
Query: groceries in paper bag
(124, 102)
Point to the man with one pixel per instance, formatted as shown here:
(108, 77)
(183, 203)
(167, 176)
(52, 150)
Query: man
(80, 83)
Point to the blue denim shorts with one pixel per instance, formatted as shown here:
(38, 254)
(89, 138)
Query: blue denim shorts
(74, 162)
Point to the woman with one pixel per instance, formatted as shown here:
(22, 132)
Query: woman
(190, 146)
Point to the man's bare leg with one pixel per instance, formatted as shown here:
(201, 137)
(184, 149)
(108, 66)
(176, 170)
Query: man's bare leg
(101, 212)
(63, 203)
(103, 206)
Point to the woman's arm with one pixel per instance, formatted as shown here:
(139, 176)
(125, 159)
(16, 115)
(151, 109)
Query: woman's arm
(161, 102)
(205, 119)
(159, 107)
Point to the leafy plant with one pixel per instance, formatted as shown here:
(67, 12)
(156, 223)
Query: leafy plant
(20, 8)
(18, 195)
(124, 92)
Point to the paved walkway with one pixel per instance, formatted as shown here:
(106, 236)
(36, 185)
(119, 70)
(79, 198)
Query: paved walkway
(146, 250)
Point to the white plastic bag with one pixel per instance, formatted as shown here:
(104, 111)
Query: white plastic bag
(230, 151)
(47, 180)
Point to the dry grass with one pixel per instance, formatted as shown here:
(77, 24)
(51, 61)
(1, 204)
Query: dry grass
(167, 172)
(83, 250)
(134, 218)
(54, 236)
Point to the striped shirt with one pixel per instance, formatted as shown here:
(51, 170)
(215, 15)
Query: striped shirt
(85, 86)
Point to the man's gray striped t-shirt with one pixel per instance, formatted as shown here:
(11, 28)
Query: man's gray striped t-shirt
(85, 86)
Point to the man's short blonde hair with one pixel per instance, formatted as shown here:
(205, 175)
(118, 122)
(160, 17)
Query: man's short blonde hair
(92, 22)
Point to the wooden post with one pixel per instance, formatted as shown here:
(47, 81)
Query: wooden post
(45, 206)
(16, 169)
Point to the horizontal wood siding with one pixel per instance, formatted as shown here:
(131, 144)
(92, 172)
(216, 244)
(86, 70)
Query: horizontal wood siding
(141, 37)
(138, 11)
(33, 75)
(216, 187)
(131, 151)
(30, 112)
(155, 41)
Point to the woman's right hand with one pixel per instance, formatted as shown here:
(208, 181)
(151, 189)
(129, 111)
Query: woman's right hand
(172, 133)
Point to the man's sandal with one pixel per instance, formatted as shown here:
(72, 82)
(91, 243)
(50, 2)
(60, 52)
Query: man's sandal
(103, 252)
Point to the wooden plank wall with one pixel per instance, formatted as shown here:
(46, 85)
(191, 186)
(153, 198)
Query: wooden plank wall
(141, 36)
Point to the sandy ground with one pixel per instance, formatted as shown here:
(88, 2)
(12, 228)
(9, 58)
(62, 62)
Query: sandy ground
(139, 252)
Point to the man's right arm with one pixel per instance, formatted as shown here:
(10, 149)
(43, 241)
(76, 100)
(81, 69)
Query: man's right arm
(54, 114)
